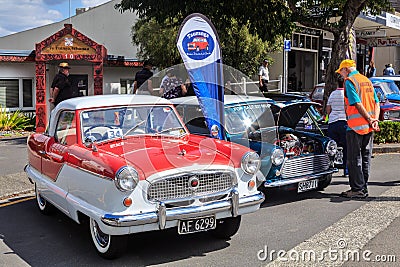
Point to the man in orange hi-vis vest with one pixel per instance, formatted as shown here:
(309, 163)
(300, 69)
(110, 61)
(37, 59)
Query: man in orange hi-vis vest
(362, 111)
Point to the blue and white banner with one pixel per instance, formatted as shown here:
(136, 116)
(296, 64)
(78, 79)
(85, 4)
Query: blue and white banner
(198, 44)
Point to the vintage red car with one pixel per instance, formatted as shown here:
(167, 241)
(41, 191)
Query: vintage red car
(198, 43)
(128, 164)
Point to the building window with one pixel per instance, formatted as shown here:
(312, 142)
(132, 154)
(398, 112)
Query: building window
(16, 93)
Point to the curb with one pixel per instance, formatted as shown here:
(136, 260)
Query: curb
(386, 148)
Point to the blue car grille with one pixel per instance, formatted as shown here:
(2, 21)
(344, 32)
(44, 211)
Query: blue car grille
(178, 187)
(305, 165)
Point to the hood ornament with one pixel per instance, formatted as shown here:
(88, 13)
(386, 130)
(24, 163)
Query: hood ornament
(182, 152)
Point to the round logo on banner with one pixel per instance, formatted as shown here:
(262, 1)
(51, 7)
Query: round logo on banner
(198, 45)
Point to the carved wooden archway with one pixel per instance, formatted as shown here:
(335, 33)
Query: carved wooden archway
(67, 45)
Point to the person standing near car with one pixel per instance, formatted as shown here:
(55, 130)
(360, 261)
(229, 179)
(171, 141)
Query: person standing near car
(263, 76)
(142, 77)
(371, 70)
(362, 111)
(389, 70)
(337, 124)
(61, 88)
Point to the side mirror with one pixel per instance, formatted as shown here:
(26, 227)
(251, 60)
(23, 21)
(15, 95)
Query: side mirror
(90, 142)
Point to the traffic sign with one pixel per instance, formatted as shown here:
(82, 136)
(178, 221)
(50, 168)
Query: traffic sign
(287, 45)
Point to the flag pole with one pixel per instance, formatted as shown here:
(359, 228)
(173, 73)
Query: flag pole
(70, 22)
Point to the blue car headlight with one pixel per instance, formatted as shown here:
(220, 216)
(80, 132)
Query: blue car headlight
(331, 148)
(126, 178)
(251, 162)
(277, 157)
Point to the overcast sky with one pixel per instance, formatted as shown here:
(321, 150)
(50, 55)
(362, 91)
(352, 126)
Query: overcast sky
(20, 15)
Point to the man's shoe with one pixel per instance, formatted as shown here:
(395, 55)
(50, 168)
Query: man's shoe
(354, 194)
(365, 191)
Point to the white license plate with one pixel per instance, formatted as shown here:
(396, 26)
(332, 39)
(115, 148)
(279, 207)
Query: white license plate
(196, 225)
(307, 185)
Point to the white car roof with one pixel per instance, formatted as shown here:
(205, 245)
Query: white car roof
(228, 99)
(99, 101)
(388, 77)
(109, 100)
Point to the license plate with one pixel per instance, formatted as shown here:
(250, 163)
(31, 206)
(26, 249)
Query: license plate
(307, 185)
(196, 225)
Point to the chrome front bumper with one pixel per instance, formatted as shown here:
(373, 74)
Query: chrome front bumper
(284, 182)
(163, 214)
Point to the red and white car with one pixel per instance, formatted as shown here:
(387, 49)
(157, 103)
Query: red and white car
(128, 164)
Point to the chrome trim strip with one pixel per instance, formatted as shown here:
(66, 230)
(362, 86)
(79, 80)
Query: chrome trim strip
(299, 179)
(180, 213)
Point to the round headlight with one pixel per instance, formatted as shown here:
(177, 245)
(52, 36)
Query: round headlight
(250, 162)
(331, 148)
(126, 178)
(277, 157)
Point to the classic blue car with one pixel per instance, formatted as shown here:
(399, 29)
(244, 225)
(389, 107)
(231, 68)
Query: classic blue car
(290, 159)
(386, 88)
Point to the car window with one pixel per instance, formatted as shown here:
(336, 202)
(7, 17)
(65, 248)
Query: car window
(105, 124)
(239, 118)
(66, 128)
(379, 93)
(318, 93)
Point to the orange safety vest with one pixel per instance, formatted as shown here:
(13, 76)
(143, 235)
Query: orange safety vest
(365, 90)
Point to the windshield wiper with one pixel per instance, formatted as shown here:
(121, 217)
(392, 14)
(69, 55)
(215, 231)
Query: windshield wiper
(170, 129)
(133, 128)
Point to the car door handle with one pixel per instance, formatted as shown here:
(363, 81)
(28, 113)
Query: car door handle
(42, 152)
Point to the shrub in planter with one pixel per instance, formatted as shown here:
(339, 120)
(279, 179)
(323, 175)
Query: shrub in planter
(16, 120)
(389, 133)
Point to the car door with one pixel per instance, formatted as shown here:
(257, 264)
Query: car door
(56, 146)
(55, 157)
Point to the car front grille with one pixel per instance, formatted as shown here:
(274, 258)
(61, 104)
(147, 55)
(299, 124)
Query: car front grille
(178, 187)
(305, 165)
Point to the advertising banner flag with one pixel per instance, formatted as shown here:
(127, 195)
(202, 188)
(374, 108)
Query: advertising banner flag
(198, 44)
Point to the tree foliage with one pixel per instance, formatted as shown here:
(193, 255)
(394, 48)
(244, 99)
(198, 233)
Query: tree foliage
(246, 37)
(250, 29)
(338, 17)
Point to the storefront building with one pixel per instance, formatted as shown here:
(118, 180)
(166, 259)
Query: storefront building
(26, 74)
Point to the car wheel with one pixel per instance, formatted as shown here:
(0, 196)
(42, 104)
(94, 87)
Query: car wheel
(44, 206)
(324, 183)
(107, 246)
(227, 227)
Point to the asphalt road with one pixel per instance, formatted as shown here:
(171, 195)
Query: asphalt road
(314, 221)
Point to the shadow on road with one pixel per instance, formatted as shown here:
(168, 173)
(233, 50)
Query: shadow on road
(56, 240)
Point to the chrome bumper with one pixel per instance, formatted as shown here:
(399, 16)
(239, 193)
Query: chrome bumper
(284, 182)
(163, 214)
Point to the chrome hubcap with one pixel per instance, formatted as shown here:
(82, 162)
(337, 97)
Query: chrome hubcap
(101, 238)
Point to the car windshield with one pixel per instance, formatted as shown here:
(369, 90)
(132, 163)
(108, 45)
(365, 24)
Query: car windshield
(109, 123)
(318, 93)
(240, 118)
(386, 88)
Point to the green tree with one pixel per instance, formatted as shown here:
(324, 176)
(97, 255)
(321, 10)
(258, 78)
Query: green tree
(338, 17)
(246, 37)
(269, 21)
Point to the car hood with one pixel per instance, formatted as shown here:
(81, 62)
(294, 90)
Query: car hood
(289, 114)
(154, 154)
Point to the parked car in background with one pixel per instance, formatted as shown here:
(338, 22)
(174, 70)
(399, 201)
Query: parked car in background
(317, 94)
(290, 159)
(388, 88)
(386, 92)
(128, 164)
(395, 78)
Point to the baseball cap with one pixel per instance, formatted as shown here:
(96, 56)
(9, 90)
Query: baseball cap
(266, 60)
(347, 63)
(64, 65)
